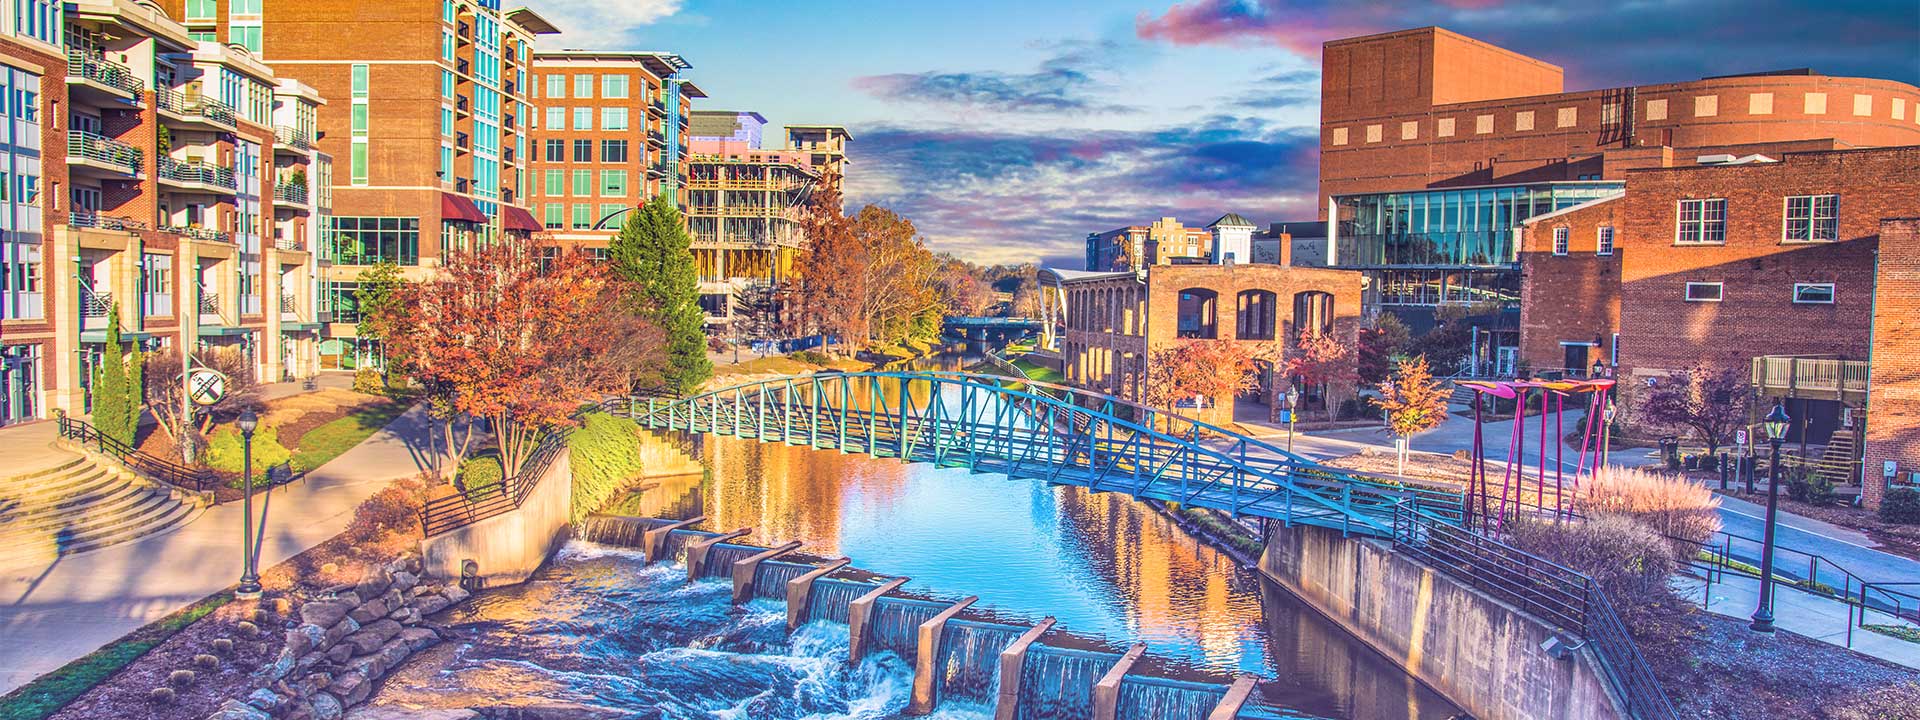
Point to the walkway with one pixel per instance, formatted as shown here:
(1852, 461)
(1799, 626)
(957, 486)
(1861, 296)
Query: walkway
(50, 616)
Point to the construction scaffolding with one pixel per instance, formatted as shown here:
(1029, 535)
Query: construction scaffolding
(743, 211)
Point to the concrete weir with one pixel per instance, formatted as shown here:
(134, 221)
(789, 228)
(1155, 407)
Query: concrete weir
(926, 670)
(1012, 661)
(697, 552)
(656, 539)
(800, 592)
(859, 613)
(1106, 693)
(745, 570)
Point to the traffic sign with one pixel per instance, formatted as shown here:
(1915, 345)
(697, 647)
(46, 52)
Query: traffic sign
(206, 387)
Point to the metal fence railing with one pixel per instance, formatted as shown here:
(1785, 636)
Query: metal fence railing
(87, 66)
(151, 467)
(1730, 555)
(456, 511)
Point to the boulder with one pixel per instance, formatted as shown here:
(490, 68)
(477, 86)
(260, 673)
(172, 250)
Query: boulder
(351, 687)
(266, 700)
(325, 613)
(384, 628)
(346, 626)
(310, 661)
(282, 664)
(455, 594)
(372, 666)
(405, 615)
(236, 710)
(326, 707)
(341, 653)
(314, 682)
(390, 712)
(394, 652)
(306, 637)
(403, 580)
(374, 584)
(364, 642)
(370, 610)
(418, 638)
(429, 604)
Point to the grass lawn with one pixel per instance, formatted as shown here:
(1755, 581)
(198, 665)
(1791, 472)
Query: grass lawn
(328, 441)
(1039, 373)
(51, 691)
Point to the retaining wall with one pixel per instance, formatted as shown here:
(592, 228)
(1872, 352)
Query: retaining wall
(507, 548)
(1480, 653)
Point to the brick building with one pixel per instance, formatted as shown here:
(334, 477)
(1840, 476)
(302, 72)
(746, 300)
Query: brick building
(164, 183)
(1136, 246)
(1892, 442)
(612, 135)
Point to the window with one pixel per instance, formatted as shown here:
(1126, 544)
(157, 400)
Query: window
(582, 216)
(1703, 292)
(370, 240)
(359, 80)
(246, 36)
(556, 118)
(1560, 240)
(583, 118)
(556, 216)
(1813, 293)
(608, 209)
(358, 119)
(358, 158)
(1703, 221)
(556, 151)
(613, 151)
(556, 181)
(1812, 218)
(556, 86)
(583, 151)
(613, 183)
(583, 182)
(613, 118)
(201, 10)
(583, 86)
(613, 87)
(1603, 240)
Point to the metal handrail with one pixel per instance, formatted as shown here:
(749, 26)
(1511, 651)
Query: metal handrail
(195, 105)
(94, 303)
(149, 466)
(290, 192)
(89, 219)
(98, 69)
(1718, 559)
(197, 172)
(198, 233)
(292, 138)
(92, 146)
(453, 512)
(209, 303)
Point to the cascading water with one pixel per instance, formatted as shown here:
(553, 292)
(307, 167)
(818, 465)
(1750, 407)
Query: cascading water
(831, 597)
(1057, 683)
(674, 547)
(895, 624)
(1148, 698)
(614, 530)
(970, 659)
(721, 557)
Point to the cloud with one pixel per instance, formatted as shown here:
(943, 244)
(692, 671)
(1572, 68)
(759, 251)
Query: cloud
(1065, 82)
(1600, 44)
(1001, 196)
(1282, 90)
(602, 24)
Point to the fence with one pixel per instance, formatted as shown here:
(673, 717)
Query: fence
(1738, 555)
(160, 469)
(457, 511)
(1553, 592)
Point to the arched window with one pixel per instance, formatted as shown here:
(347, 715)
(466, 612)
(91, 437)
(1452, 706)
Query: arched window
(1257, 311)
(1196, 313)
(1312, 312)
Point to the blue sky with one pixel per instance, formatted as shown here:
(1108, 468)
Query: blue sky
(1009, 130)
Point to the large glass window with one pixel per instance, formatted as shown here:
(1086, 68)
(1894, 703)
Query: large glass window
(1702, 221)
(583, 118)
(613, 118)
(613, 151)
(360, 81)
(613, 87)
(556, 118)
(613, 183)
(1812, 217)
(1470, 227)
(556, 183)
(202, 10)
(556, 86)
(556, 151)
(583, 86)
(370, 240)
(582, 216)
(583, 182)
(556, 216)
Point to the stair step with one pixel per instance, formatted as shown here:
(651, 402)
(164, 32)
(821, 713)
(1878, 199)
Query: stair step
(132, 514)
(93, 500)
(54, 494)
(122, 500)
(166, 518)
(43, 472)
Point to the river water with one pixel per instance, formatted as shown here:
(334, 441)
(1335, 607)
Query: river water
(598, 633)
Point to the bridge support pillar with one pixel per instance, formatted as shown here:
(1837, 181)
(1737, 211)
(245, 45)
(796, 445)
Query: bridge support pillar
(655, 540)
(800, 592)
(858, 612)
(1229, 706)
(697, 552)
(744, 570)
(1106, 693)
(1012, 661)
(926, 667)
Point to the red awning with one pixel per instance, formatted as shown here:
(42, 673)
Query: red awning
(456, 208)
(517, 218)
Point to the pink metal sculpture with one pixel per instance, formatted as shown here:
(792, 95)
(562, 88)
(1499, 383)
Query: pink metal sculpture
(1553, 395)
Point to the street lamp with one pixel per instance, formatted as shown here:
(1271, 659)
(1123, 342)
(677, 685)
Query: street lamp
(1606, 429)
(1776, 424)
(249, 576)
(1293, 413)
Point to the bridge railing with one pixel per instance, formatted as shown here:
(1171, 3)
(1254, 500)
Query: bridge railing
(1553, 592)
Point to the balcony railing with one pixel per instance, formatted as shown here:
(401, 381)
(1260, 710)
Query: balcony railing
(286, 243)
(88, 219)
(290, 193)
(1811, 377)
(198, 233)
(657, 106)
(95, 304)
(195, 105)
(292, 138)
(110, 74)
(83, 144)
(196, 172)
(289, 305)
(209, 303)
(655, 136)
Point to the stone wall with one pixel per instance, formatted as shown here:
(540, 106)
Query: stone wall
(1480, 653)
(347, 640)
(505, 549)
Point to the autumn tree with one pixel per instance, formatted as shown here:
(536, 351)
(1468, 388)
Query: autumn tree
(1381, 344)
(1323, 361)
(1711, 403)
(960, 286)
(831, 272)
(653, 257)
(897, 299)
(184, 424)
(1414, 402)
(501, 335)
(1196, 369)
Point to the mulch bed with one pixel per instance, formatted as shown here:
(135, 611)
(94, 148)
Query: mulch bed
(1734, 673)
(1893, 538)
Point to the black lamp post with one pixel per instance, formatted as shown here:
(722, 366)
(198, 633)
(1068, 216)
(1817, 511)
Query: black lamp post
(1293, 412)
(1776, 424)
(249, 576)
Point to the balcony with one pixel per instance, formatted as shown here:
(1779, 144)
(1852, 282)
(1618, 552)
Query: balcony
(110, 156)
(655, 137)
(1812, 377)
(657, 170)
(194, 109)
(88, 219)
(462, 141)
(287, 243)
(196, 176)
(96, 308)
(657, 107)
(290, 194)
(198, 233)
(462, 67)
(289, 308)
(286, 137)
(107, 80)
(210, 308)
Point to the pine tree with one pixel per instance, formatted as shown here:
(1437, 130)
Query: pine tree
(654, 252)
(115, 409)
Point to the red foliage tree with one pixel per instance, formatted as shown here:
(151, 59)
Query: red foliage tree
(1414, 401)
(1210, 369)
(1321, 360)
(1711, 403)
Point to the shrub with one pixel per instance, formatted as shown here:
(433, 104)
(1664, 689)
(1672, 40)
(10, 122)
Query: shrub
(717, 345)
(225, 449)
(181, 678)
(606, 453)
(223, 646)
(1631, 563)
(206, 661)
(1808, 487)
(161, 695)
(395, 510)
(1901, 505)
(810, 357)
(479, 475)
(1670, 505)
(368, 381)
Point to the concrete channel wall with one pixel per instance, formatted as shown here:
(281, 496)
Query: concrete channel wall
(1478, 652)
(505, 549)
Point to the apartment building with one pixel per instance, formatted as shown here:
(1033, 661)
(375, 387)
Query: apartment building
(431, 110)
(157, 181)
(1136, 246)
(612, 135)
(744, 204)
(825, 145)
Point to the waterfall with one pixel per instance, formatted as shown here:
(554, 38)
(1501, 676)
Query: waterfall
(614, 530)
(674, 548)
(721, 557)
(970, 659)
(771, 582)
(1151, 698)
(896, 623)
(1057, 683)
(831, 597)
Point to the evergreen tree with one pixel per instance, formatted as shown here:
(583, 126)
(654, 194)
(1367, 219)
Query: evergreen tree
(379, 286)
(654, 252)
(116, 410)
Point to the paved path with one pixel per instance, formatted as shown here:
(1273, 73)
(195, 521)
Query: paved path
(52, 615)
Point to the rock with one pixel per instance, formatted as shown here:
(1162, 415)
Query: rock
(304, 638)
(365, 641)
(372, 666)
(236, 710)
(352, 687)
(300, 711)
(314, 683)
(265, 699)
(429, 604)
(384, 628)
(281, 606)
(326, 707)
(455, 594)
(389, 712)
(403, 580)
(419, 638)
(394, 653)
(374, 584)
(341, 653)
(346, 626)
(405, 615)
(370, 611)
(325, 613)
(310, 660)
(283, 664)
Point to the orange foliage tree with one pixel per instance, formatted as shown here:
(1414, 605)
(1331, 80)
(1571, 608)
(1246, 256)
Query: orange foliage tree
(1210, 369)
(1323, 361)
(831, 278)
(1414, 402)
(519, 339)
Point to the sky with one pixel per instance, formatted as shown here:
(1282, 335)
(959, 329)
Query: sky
(1007, 130)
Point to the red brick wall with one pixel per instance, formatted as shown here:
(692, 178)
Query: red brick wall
(1570, 298)
(1893, 403)
(1661, 332)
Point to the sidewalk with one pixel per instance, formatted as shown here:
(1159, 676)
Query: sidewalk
(1815, 617)
(56, 614)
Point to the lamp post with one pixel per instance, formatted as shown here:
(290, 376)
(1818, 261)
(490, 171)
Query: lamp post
(1776, 424)
(1606, 430)
(249, 576)
(1293, 413)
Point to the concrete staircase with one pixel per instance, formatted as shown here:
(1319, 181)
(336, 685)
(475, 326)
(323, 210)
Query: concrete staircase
(82, 504)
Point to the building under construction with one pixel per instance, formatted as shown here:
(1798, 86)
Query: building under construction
(743, 207)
